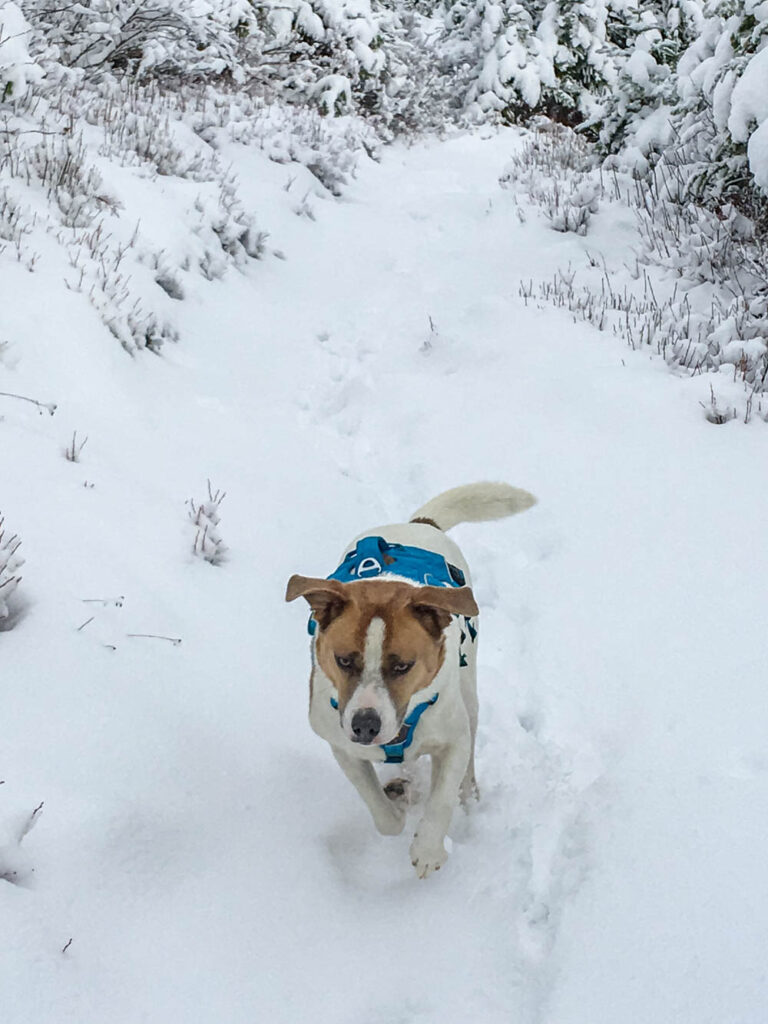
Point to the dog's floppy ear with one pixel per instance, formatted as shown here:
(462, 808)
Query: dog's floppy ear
(433, 606)
(326, 598)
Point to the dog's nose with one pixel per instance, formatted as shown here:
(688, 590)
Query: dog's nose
(365, 725)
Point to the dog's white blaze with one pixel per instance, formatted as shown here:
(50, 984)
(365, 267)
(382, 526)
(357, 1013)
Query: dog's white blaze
(371, 691)
(373, 651)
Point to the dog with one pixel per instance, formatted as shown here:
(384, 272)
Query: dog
(394, 654)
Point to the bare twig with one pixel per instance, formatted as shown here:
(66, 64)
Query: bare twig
(49, 407)
(156, 636)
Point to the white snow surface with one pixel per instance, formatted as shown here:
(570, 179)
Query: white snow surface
(197, 843)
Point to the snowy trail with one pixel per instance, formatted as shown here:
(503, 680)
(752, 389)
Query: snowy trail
(198, 843)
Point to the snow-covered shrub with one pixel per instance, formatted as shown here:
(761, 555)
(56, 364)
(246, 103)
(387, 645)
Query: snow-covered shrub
(715, 319)
(499, 39)
(721, 134)
(111, 258)
(62, 166)
(330, 48)
(329, 148)
(574, 40)
(15, 225)
(634, 115)
(205, 518)
(340, 56)
(722, 252)
(687, 113)
(536, 58)
(692, 91)
(555, 170)
(208, 37)
(18, 70)
(10, 563)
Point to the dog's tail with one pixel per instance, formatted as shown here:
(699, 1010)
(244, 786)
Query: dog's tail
(473, 503)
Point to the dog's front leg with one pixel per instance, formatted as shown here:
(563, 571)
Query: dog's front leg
(449, 765)
(388, 818)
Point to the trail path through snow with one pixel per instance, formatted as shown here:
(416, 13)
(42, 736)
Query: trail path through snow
(198, 843)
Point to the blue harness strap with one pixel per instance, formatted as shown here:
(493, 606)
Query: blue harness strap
(394, 752)
(374, 556)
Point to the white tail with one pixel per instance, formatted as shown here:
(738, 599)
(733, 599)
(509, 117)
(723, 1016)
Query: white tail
(475, 503)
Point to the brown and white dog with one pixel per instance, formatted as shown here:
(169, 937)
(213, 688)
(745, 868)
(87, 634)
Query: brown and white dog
(387, 643)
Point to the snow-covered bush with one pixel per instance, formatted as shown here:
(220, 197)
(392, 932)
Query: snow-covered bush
(377, 59)
(205, 518)
(339, 56)
(111, 258)
(500, 39)
(555, 171)
(692, 91)
(328, 147)
(332, 47)
(696, 133)
(675, 91)
(716, 318)
(18, 70)
(648, 39)
(208, 37)
(536, 58)
(10, 563)
(721, 134)
(722, 252)
(420, 88)
(574, 40)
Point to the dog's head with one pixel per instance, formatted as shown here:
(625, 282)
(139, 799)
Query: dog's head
(379, 642)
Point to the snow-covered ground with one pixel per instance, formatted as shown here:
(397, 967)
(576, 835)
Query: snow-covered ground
(197, 843)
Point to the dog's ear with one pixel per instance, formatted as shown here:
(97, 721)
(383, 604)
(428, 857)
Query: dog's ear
(326, 598)
(433, 606)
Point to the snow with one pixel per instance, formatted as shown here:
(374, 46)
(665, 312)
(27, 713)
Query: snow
(749, 102)
(197, 843)
(748, 120)
(641, 68)
(757, 150)
(651, 132)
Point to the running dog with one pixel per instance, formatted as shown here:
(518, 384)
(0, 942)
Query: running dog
(394, 653)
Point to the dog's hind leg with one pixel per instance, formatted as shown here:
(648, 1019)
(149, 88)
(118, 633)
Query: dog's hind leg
(469, 788)
(388, 816)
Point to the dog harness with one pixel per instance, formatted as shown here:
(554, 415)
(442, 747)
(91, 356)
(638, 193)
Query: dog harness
(374, 556)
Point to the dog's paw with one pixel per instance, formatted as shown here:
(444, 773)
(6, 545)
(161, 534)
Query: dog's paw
(399, 792)
(427, 855)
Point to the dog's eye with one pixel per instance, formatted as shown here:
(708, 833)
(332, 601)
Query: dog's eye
(345, 661)
(401, 667)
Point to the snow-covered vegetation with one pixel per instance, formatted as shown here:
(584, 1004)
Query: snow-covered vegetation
(205, 518)
(670, 94)
(10, 562)
(341, 255)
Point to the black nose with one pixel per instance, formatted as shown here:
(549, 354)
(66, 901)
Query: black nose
(365, 725)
